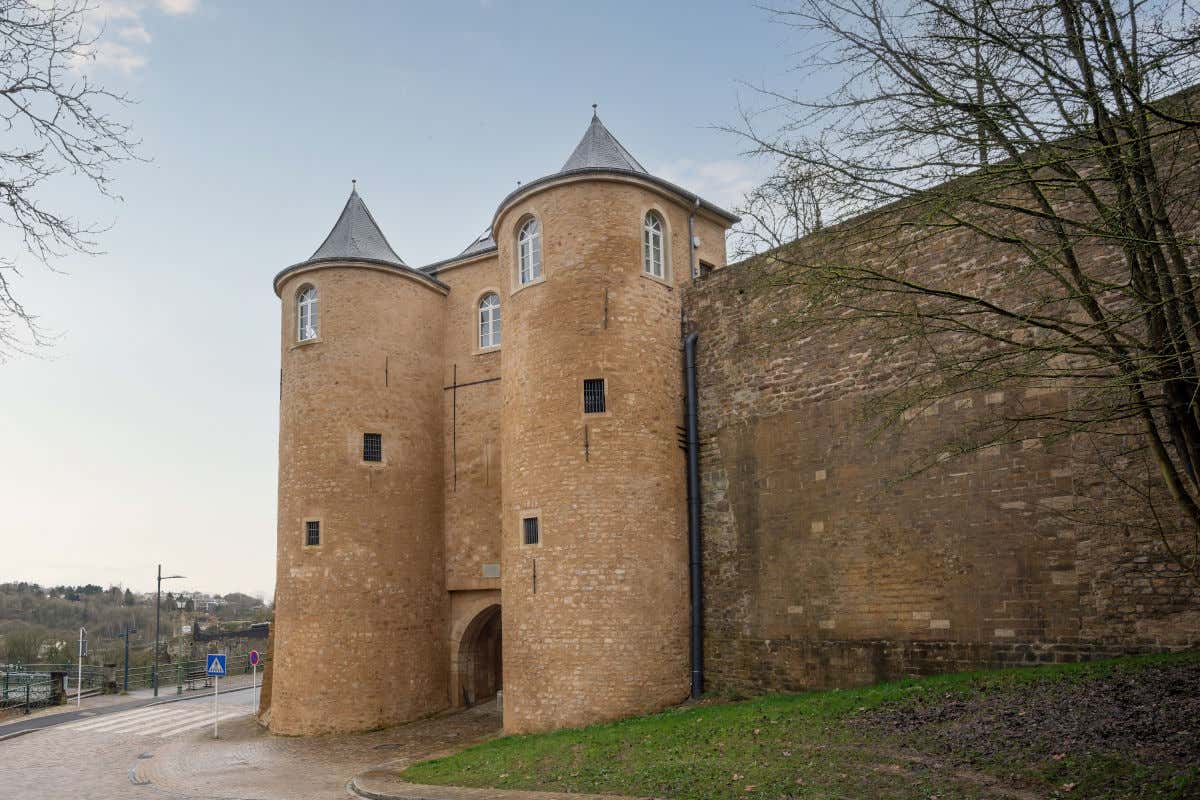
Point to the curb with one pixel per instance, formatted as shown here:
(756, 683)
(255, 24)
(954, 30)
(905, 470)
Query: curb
(418, 791)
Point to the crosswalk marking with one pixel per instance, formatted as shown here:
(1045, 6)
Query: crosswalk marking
(151, 723)
(159, 720)
(106, 720)
(202, 723)
(109, 720)
(172, 721)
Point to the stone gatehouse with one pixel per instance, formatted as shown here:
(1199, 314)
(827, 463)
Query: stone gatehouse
(481, 484)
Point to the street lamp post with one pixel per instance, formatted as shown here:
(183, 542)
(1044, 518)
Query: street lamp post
(125, 635)
(179, 603)
(82, 653)
(157, 615)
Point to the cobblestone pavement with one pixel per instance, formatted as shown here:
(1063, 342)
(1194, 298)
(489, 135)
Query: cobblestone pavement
(171, 756)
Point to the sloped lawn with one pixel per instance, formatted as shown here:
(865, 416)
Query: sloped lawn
(1126, 728)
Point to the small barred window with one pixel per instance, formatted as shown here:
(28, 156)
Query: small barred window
(593, 396)
(312, 533)
(372, 447)
(532, 535)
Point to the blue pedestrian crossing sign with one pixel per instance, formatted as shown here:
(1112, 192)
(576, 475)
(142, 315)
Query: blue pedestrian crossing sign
(216, 664)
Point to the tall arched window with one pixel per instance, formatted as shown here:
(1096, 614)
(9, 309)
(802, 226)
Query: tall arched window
(652, 245)
(529, 251)
(306, 314)
(489, 320)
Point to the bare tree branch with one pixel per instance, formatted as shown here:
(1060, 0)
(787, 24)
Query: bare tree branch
(53, 121)
(1051, 147)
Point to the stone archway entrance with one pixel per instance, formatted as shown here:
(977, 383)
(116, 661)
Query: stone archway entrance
(480, 673)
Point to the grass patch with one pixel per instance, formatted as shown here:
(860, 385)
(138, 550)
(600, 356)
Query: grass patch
(1048, 730)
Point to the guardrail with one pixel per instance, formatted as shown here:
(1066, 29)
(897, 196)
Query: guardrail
(177, 673)
(93, 675)
(171, 674)
(26, 690)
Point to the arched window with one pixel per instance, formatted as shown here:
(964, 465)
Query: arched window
(529, 251)
(306, 314)
(489, 321)
(652, 245)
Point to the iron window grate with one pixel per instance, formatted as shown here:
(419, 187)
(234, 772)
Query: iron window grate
(372, 447)
(530, 526)
(312, 533)
(593, 396)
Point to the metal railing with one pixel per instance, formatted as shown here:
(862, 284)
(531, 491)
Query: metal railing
(30, 685)
(93, 676)
(234, 665)
(26, 690)
(178, 673)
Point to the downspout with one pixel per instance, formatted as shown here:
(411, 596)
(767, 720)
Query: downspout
(693, 480)
(692, 237)
(693, 492)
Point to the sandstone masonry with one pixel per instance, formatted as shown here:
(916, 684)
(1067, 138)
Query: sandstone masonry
(821, 570)
(454, 520)
(407, 577)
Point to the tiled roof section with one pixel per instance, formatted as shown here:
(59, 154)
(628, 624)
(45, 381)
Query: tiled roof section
(599, 149)
(484, 243)
(356, 235)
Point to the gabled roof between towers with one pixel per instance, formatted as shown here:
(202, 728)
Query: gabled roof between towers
(598, 152)
(357, 238)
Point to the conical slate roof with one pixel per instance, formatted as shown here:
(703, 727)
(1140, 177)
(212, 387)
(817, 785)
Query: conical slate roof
(356, 236)
(599, 149)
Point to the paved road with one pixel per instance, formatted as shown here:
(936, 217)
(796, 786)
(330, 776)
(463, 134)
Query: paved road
(166, 752)
(46, 720)
(95, 755)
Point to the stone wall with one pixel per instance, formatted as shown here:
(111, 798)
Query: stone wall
(471, 485)
(471, 429)
(821, 570)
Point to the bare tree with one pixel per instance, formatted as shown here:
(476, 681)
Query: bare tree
(785, 207)
(53, 121)
(23, 643)
(1062, 138)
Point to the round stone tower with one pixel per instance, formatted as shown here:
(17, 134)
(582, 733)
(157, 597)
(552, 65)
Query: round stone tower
(361, 604)
(595, 555)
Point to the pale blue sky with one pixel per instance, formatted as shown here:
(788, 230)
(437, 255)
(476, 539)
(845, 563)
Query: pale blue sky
(149, 432)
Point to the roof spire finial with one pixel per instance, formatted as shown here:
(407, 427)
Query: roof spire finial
(599, 149)
(356, 236)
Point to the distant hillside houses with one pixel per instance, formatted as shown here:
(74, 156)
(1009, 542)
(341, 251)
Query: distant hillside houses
(203, 601)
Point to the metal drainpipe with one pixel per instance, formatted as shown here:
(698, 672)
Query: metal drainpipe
(693, 490)
(692, 236)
